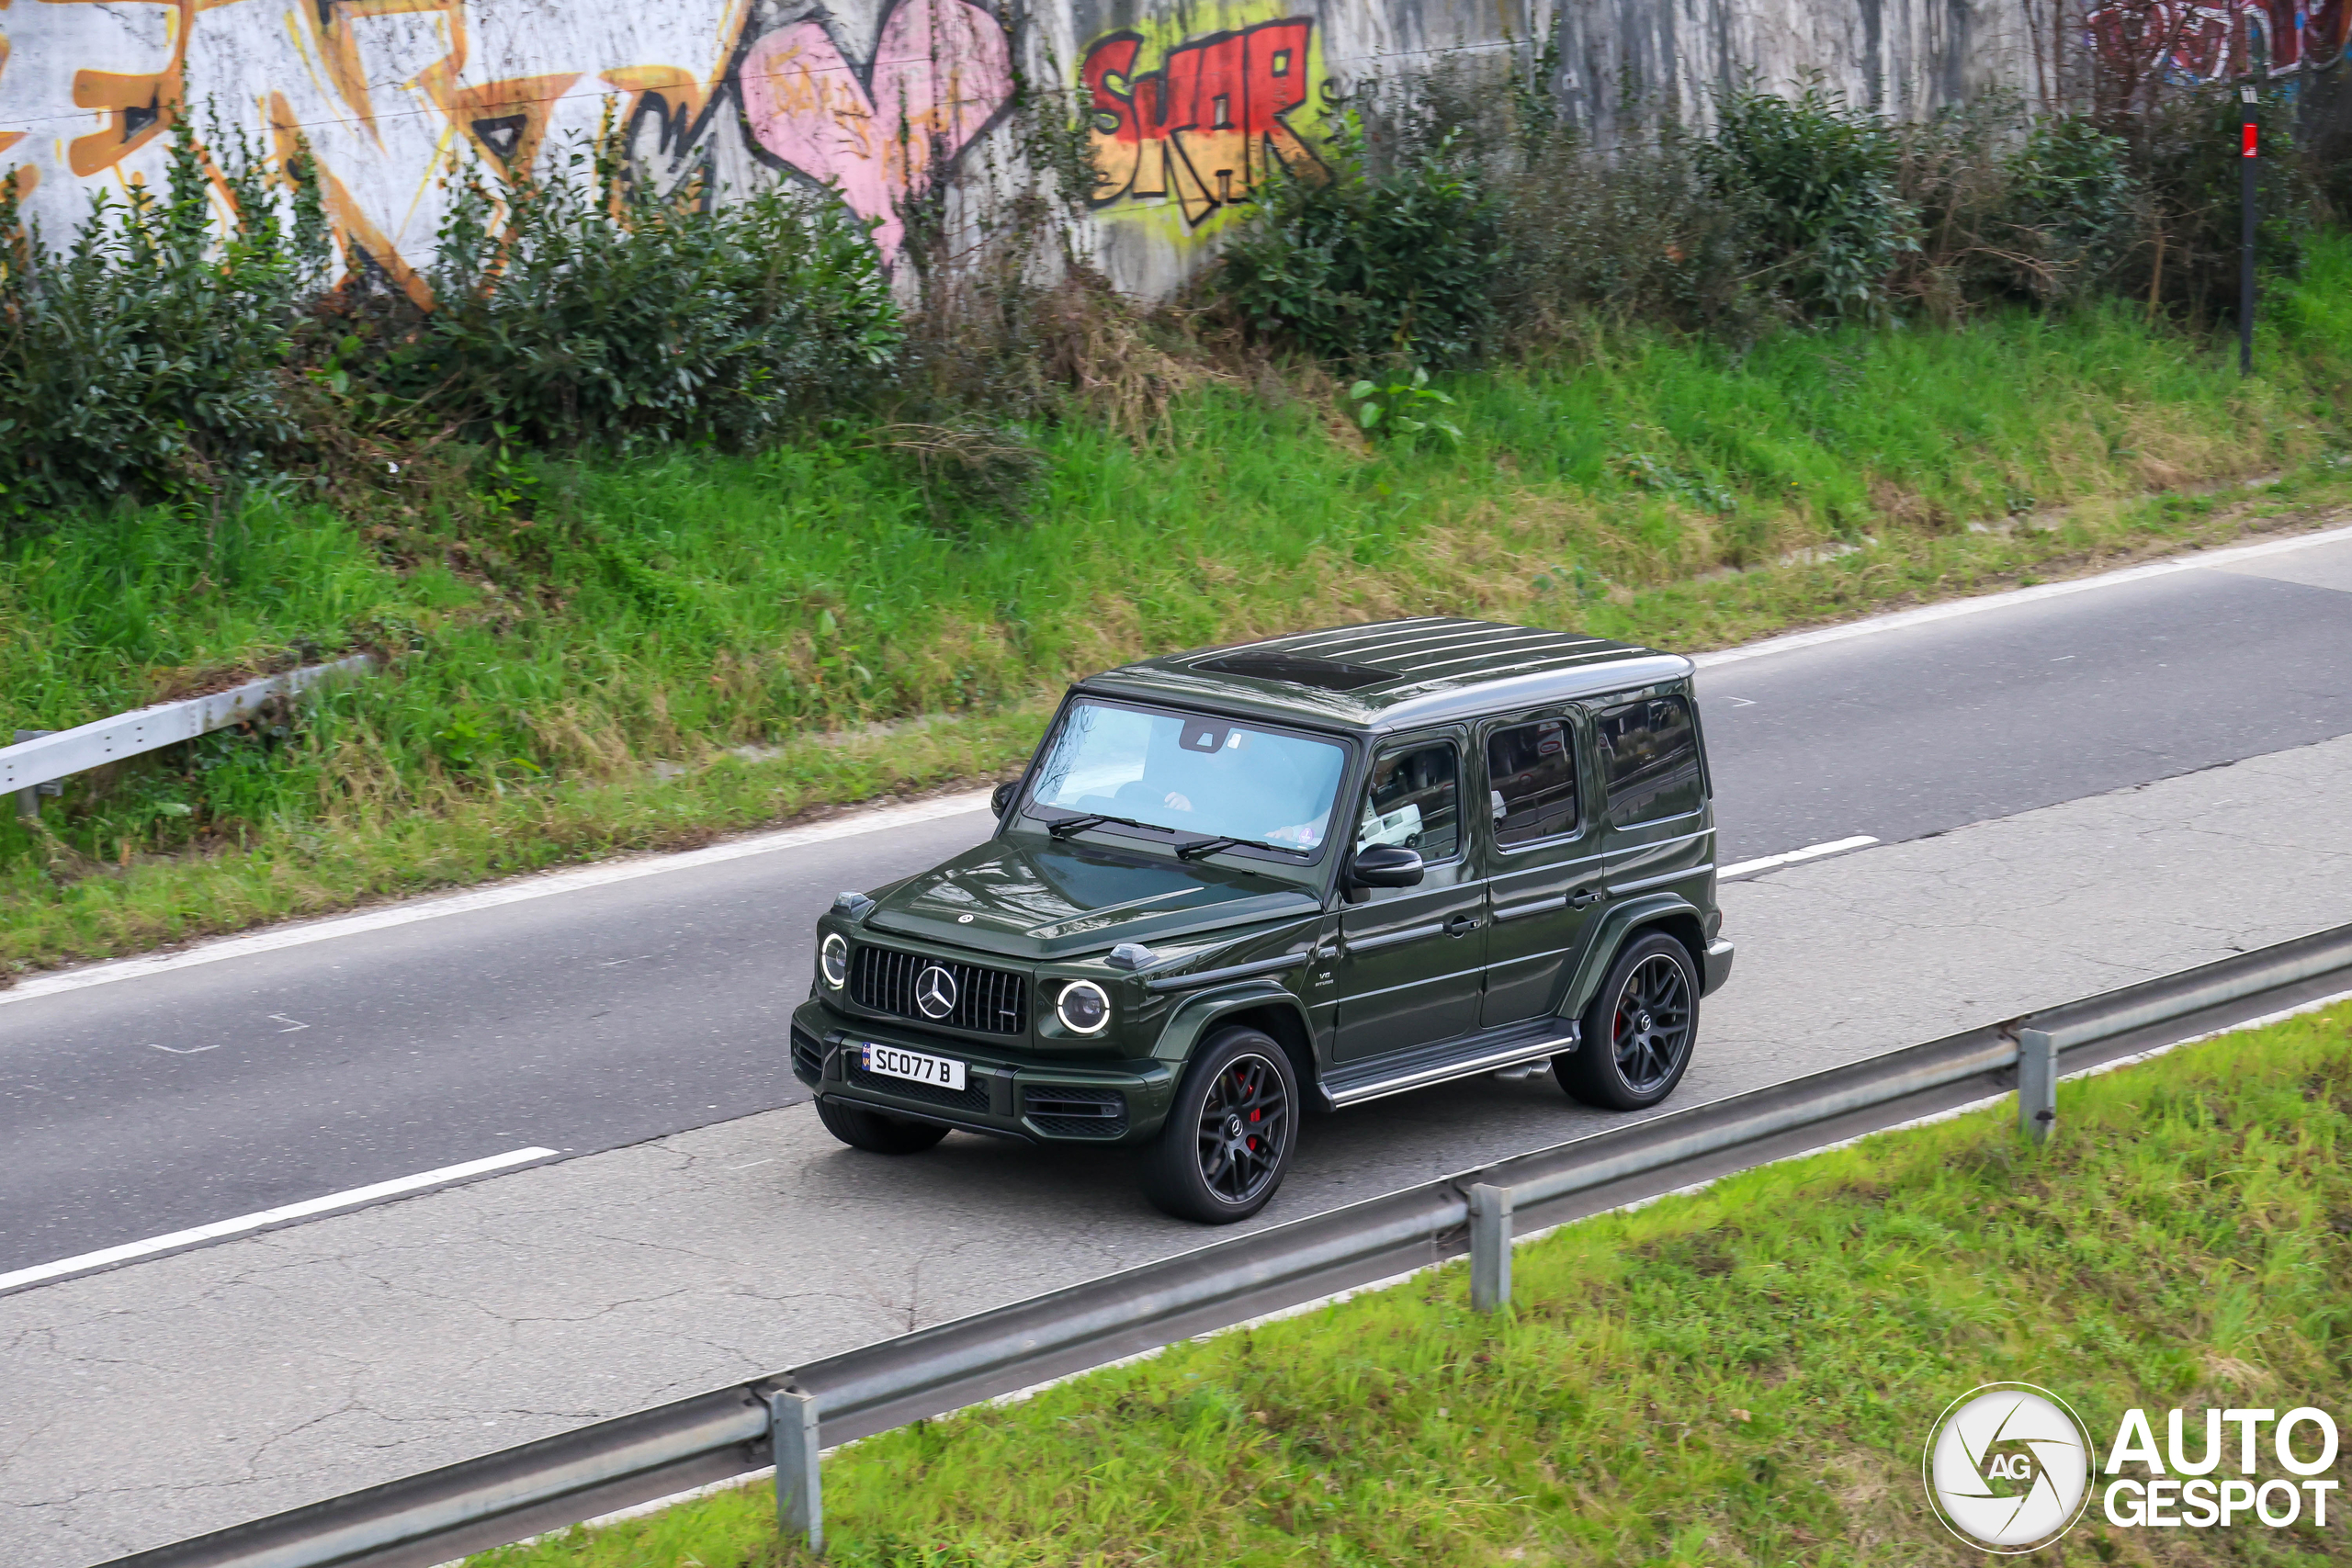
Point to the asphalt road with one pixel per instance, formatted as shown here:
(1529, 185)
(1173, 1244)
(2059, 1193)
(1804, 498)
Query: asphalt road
(609, 1015)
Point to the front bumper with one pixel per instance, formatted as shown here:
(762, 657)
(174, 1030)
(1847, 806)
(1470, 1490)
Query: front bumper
(1718, 967)
(1007, 1093)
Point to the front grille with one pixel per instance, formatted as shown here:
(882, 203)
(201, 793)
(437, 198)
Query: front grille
(974, 1096)
(807, 1057)
(1076, 1113)
(987, 1001)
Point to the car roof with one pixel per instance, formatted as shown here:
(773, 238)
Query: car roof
(1394, 675)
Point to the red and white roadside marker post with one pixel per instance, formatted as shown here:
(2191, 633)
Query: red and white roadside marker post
(2249, 150)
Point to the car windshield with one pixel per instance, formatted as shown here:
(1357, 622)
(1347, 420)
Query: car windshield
(1192, 773)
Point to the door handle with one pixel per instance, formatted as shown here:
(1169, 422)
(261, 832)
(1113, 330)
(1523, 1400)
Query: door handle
(1462, 925)
(1585, 900)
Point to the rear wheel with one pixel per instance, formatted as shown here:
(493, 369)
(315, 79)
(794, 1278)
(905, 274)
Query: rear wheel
(876, 1130)
(1638, 1030)
(1228, 1136)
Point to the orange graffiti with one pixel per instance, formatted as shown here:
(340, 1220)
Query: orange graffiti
(140, 105)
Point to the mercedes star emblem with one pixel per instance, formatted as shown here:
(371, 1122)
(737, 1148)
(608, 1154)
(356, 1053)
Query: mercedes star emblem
(935, 992)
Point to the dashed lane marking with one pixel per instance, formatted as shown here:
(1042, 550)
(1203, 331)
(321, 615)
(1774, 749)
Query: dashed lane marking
(105, 1257)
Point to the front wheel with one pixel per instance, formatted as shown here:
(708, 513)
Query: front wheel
(876, 1130)
(1638, 1030)
(1228, 1136)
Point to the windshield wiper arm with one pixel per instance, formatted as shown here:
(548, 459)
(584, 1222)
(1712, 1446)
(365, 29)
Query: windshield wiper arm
(1199, 847)
(1069, 825)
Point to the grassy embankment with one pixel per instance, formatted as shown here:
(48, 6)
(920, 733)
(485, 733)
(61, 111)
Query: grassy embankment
(681, 643)
(1744, 1375)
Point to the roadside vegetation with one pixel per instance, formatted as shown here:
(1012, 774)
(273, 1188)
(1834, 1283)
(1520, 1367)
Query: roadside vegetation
(1742, 1375)
(828, 544)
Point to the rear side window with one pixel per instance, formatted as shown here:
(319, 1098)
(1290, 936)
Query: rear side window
(1532, 769)
(1650, 760)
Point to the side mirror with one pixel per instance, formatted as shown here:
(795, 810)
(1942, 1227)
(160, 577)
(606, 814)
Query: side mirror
(1000, 798)
(1385, 865)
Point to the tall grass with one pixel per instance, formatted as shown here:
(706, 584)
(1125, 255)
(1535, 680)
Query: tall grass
(668, 606)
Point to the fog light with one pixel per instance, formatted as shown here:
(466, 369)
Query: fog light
(832, 959)
(1083, 1008)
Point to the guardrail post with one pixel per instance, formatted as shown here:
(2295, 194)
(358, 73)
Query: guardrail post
(1489, 1248)
(2037, 1084)
(799, 1482)
(28, 800)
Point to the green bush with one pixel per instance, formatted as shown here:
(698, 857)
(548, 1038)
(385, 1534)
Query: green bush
(162, 355)
(1812, 184)
(2185, 155)
(565, 317)
(147, 357)
(1394, 256)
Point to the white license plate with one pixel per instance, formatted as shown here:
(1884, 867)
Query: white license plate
(891, 1062)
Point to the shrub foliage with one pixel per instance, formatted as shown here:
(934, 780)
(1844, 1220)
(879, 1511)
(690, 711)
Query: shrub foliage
(1463, 222)
(185, 342)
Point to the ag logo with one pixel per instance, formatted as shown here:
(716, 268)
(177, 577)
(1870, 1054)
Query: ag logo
(2008, 1468)
(935, 992)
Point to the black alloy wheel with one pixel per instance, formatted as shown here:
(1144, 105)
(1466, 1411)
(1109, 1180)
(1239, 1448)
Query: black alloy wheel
(1638, 1030)
(1229, 1133)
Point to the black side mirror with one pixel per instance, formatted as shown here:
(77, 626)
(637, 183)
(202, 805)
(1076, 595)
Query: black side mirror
(1000, 798)
(1383, 866)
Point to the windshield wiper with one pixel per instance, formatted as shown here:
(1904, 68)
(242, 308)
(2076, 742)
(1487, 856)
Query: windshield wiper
(1069, 825)
(1199, 847)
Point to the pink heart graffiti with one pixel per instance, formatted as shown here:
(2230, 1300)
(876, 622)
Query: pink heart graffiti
(942, 69)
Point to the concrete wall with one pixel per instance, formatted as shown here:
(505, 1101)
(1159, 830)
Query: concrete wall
(1191, 103)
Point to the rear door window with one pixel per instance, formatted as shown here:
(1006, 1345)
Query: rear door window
(1650, 760)
(1531, 773)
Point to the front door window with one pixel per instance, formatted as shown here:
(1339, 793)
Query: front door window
(1415, 803)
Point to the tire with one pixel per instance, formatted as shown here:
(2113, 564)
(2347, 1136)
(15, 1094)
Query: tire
(876, 1131)
(1230, 1131)
(1639, 1030)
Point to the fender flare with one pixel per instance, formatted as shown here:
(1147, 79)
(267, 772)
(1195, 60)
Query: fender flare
(1192, 1021)
(1618, 924)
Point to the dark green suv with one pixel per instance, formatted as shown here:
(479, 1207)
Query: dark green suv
(1312, 871)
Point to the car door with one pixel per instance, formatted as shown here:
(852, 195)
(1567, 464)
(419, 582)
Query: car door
(1657, 831)
(1412, 959)
(1542, 857)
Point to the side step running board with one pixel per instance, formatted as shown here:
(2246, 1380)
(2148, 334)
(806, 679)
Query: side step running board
(1480, 1054)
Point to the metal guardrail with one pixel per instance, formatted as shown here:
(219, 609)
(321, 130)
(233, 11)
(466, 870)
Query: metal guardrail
(44, 758)
(780, 1421)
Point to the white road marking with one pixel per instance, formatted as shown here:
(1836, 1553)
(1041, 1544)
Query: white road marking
(183, 1050)
(846, 827)
(1835, 846)
(1901, 619)
(105, 1256)
(297, 1025)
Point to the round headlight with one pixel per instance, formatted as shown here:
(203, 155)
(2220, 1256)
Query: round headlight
(832, 959)
(1083, 1008)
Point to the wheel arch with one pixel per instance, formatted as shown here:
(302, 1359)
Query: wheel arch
(1263, 1005)
(1668, 913)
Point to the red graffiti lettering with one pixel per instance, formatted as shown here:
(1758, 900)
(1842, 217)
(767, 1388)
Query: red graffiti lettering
(1208, 125)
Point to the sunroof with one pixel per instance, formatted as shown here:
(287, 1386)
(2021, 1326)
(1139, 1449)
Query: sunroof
(1298, 669)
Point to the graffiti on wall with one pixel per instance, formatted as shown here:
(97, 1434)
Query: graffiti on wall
(940, 72)
(2193, 44)
(386, 93)
(1204, 127)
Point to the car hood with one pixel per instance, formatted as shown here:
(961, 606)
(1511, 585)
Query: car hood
(1042, 900)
